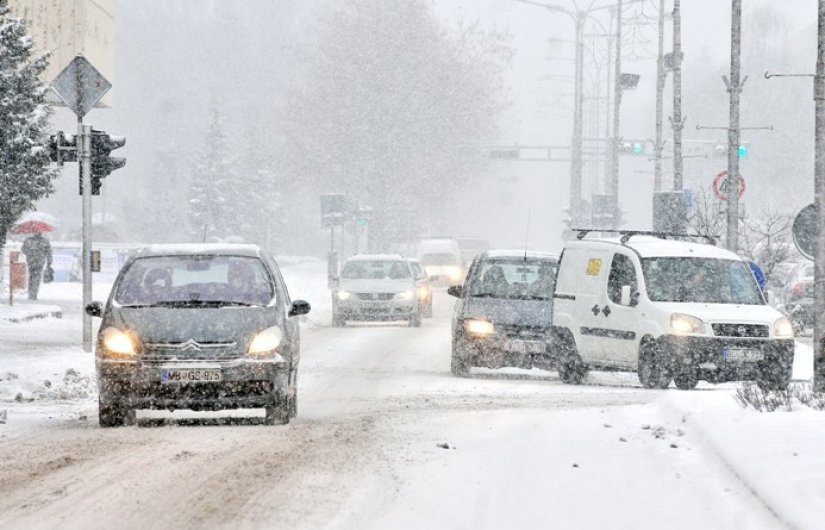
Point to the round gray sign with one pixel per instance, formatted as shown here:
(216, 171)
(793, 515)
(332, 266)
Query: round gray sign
(804, 231)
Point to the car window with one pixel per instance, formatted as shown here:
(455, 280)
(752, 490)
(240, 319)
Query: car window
(376, 270)
(203, 278)
(514, 279)
(622, 272)
(439, 259)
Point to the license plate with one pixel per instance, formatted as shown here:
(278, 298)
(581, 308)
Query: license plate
(525, 346)
(190, 375)
(743, 354)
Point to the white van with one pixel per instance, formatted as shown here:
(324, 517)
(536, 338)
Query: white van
(441, 258)
(666, 309)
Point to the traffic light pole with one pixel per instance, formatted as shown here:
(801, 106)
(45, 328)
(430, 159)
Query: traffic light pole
(819, 201)
(84, 141)
(735, 90)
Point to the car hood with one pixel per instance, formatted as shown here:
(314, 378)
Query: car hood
(511, 312)
(376, 286)
(201, 324)
(733, 313)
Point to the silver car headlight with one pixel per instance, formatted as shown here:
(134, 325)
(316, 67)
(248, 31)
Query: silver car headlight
(267, 341)
(405, 295)
(682, 324)
(344, 295)
(479, 327)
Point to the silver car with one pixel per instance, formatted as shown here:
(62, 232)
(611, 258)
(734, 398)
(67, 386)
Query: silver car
(376, 287)
(203, 327)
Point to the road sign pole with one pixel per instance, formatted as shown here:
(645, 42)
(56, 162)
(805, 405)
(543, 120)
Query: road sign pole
(84, 141)
(819, 201)
(735, 90)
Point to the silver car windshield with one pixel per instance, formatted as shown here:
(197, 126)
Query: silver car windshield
(376, 270)
(517, 280)
(702, 280)
(195, 280)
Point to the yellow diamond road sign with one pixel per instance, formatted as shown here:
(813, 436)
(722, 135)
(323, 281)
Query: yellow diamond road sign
(80, 85)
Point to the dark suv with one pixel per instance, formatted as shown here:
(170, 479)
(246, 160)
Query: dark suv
(203, 327)
(504, 312)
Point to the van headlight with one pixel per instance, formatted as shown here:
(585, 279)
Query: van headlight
(118, 342)
(684, 324)
(405, 295)
(423, 292)
(344, 295)
(783, 328)
(266, 341)
(475, 326)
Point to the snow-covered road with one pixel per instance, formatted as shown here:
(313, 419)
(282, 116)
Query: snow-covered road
(386, 438)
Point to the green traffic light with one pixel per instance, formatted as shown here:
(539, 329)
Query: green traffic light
(743, 151)
(361, 221)
(637, 148)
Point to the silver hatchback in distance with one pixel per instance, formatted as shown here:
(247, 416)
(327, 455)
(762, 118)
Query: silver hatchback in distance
(201, 327)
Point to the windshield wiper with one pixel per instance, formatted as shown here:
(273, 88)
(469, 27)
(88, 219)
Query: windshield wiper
(201, 303)
(485, 295)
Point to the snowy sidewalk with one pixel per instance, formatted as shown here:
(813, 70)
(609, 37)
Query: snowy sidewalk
(24, 310)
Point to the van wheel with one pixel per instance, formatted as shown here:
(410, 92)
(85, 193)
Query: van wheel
(459, 360)
(686, 378)
(572, 369)
(653, 370)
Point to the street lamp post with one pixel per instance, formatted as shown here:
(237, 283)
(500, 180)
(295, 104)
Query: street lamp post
(613, 190)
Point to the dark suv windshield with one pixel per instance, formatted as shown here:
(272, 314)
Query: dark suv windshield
(704, 280)
(516, 279)
(190, 280)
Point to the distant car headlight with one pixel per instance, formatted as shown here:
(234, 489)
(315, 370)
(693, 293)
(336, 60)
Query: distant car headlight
(405, 295)
(683, 324)
(344, 295)
(479, 327)
(118, 342)
(783, 328)
(454, 273)
(423, 292)
(266, 341)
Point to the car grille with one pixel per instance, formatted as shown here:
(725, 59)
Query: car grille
(375, 296)
(190, 351)
(516, 331)
(740, 330)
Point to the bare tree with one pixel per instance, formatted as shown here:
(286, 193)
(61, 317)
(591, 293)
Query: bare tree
(766, 239)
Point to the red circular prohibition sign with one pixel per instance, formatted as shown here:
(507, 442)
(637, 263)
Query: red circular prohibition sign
(719, 188)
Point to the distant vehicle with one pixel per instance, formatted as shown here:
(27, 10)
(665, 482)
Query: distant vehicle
(203, 327)
(376, 287)
(470, 248)
(666, 309)
(441, 258)
(423, 287)
(504, 311)
(798, 296)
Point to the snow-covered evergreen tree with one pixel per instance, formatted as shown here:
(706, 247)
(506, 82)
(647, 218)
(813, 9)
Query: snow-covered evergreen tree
(211, 187)
(25, 175)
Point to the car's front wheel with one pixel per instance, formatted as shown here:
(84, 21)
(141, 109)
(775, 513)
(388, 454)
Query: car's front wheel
(653, 369)
(460, 359)
(278, 412)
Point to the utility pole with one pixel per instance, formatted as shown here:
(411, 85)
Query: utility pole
(576, 161)
(84, 143)
(677, 121)
(734, 89)
(819, 201)
(660, 93)
(613, 189)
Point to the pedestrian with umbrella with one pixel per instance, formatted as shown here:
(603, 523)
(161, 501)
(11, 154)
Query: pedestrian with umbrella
(38, 252)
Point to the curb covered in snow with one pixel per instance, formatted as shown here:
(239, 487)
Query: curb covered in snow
(28, 312)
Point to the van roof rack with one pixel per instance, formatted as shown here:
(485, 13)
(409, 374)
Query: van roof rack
(581, 233)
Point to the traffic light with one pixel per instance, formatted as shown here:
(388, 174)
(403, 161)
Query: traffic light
(635, 148)
(103, 164)
(722, 150)
(62, 148)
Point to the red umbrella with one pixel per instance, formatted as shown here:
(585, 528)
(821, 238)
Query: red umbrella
(32, 227)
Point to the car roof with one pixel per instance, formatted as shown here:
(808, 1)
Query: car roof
(376, 257)
(194, 249)
(515, 253)
(652, 247)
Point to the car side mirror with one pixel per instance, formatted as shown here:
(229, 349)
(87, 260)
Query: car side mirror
(299, 307)
(625, 299)
(95, 309)
(455, 290)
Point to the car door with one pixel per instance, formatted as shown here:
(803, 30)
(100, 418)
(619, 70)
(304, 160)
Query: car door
(619, 321)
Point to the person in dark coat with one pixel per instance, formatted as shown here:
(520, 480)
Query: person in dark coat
(38, 252)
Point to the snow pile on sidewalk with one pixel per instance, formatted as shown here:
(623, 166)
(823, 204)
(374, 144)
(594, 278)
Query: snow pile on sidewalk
(72, 385)
(27, 311)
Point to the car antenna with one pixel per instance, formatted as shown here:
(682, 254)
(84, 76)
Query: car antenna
(527, 235)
